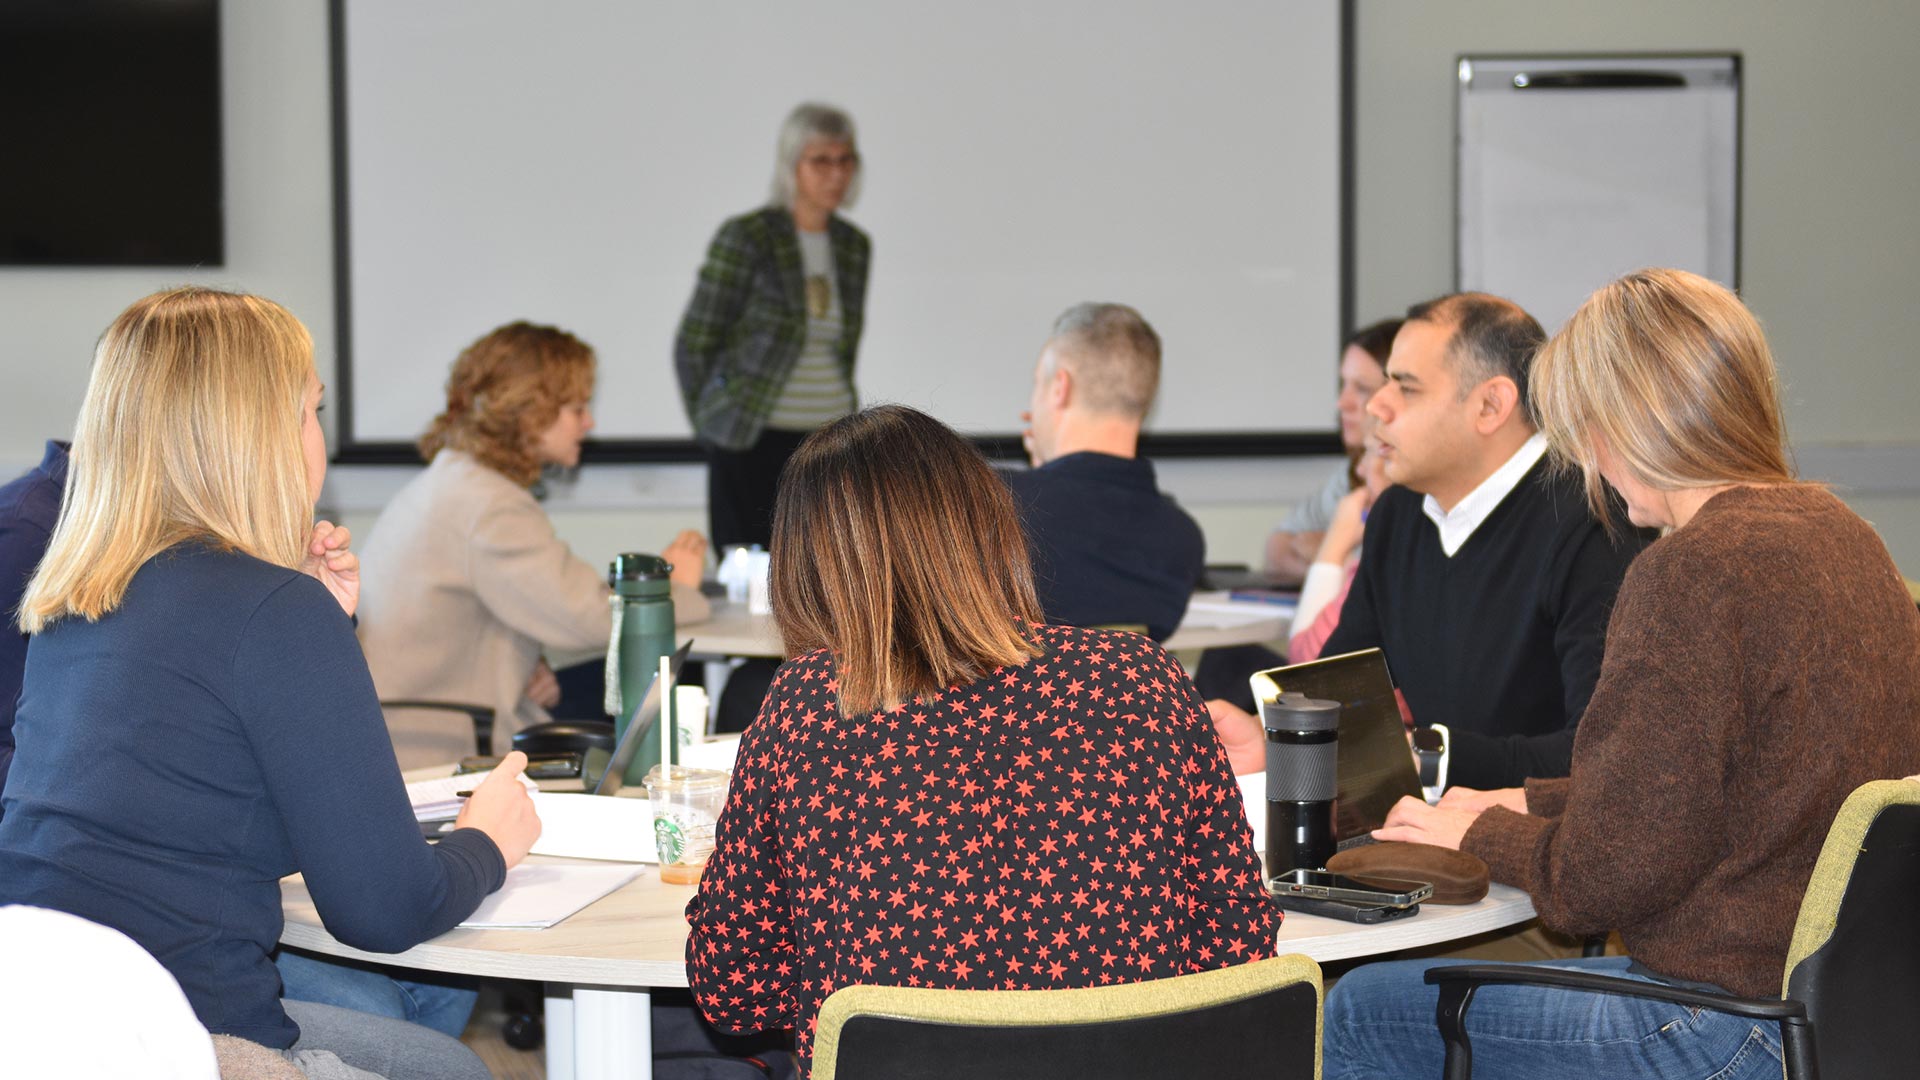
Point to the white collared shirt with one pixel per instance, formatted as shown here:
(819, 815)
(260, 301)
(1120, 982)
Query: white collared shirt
(1467, 514)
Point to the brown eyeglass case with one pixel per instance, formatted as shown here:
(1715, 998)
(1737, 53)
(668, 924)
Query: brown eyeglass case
(1457, 877)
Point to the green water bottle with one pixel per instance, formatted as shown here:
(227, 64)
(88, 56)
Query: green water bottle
(643, 633)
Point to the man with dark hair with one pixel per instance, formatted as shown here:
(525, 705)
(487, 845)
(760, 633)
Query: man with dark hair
(1108, 548)
(1483, 574)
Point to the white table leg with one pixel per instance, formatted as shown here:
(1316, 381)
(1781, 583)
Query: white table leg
(559, 1028)
(598, 1033)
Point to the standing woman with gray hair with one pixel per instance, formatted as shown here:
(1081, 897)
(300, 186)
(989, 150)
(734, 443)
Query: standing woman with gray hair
(766, 348)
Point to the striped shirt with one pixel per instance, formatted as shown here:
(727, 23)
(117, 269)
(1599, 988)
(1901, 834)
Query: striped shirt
(818, 389)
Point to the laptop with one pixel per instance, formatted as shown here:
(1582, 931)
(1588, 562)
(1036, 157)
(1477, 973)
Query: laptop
(605, 774)
(1375, 767)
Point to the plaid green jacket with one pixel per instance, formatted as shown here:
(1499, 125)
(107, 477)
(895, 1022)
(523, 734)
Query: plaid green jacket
(744, 328)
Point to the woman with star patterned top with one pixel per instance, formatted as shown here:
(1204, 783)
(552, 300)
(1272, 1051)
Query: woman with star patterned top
(938, 790)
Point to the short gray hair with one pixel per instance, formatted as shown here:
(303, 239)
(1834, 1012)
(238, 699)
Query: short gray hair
(808, 121)
(1114, 355)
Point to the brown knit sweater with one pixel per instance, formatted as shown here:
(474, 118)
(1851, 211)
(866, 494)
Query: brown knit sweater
(1761, 663)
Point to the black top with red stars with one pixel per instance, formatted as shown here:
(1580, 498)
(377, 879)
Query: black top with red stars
(1070, 821)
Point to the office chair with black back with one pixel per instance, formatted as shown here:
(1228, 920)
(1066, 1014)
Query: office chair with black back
(553, 737)
(1852, 985)
(481, 716)
(1252, 1020)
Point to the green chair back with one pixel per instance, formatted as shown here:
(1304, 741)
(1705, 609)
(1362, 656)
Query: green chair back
(1855, 956)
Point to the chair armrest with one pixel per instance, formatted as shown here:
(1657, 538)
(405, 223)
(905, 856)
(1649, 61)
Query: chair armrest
(1457, 982)
(1475, 975)
(481, 715)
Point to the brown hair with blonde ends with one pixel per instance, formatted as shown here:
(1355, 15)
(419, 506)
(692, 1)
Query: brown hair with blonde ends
(190, 429)
(1671, 373)
(504, 390)
(897, 549)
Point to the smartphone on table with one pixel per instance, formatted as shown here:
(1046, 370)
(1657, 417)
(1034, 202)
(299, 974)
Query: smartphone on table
(1345, 910)
(1325, 885)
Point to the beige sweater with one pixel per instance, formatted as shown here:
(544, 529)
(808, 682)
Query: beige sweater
(462, 583)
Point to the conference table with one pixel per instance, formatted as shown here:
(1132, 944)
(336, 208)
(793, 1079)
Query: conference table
(600, 964)
(1213, 620)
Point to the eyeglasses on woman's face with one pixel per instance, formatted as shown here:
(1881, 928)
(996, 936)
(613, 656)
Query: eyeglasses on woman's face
(845, 159)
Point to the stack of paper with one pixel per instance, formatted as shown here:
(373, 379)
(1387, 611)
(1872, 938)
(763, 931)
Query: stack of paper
(538, 896)
(439, 800)
(595, 827)
(1217, 611)
(716, 752)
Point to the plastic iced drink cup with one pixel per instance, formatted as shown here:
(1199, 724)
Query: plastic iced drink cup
(686, 807)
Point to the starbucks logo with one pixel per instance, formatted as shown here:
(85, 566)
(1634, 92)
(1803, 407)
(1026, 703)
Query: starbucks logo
(669, 839)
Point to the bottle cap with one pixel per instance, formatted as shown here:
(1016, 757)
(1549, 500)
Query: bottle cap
(634, 574)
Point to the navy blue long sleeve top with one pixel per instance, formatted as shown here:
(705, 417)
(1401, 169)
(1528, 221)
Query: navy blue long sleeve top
(177, 758)
(29, 507)
(1108, 548)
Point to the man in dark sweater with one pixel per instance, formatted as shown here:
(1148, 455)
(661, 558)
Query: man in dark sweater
(1108, 548)
(1483, 575)
(29, 506)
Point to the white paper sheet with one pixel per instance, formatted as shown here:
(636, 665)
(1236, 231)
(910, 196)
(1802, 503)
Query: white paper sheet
(718, 752)
(1227, 614)
(537, 896)
(439, 798)
(1253, 792)
(605, 827)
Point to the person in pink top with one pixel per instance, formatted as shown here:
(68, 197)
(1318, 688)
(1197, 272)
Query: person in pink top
(1331, 574)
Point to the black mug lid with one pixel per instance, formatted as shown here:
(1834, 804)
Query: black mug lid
(632, 566)
(1298, 712)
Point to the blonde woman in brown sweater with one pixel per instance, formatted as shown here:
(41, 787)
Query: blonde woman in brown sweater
(1763, 660)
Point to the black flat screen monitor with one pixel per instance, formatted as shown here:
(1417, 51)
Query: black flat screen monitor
(110, 119)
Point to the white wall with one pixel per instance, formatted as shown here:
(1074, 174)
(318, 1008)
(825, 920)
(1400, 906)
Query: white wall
(1831, 235)
(1006, 178)
(280, 244)
(279, 228)
(607, 510)
(1831, 230)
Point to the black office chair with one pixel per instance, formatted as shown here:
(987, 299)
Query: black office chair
(552, 737)
(481, 715)
(1260, 1019)
(1853, 969)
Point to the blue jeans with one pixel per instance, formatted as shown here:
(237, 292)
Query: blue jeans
(1379, 1023)
(444, 1006)
(336, 1044)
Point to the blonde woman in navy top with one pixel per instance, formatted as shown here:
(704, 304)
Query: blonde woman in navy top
(196, 721)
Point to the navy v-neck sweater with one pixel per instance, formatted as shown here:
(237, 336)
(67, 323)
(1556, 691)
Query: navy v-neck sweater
(1501, 642)
(214, 733)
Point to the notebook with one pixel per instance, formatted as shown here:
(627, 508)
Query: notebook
(1375, 766)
